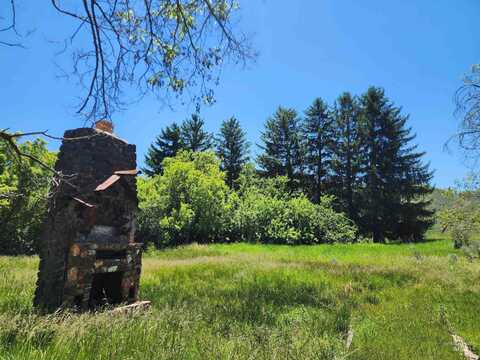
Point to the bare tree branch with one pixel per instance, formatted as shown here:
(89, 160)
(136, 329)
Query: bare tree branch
(11, 27)
(9, 139)
(5, 43)
(13, 19)
(467, 99)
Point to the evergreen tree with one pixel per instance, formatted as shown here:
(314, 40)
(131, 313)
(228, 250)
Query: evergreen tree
(416, 216)
(193, 135)
(167, 144)
(318, 134)
(346, 153)
(395, 179)
(377, 113)
(282, 146)
(232, 149)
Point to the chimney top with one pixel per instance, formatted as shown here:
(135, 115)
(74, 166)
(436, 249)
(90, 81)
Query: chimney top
(104, 125)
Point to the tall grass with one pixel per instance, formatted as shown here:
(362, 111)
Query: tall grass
(245, 301)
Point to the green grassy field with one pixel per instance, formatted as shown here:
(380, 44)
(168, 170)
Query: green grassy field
(244, 301)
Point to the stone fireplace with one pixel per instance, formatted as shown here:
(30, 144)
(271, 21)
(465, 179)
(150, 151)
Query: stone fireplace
(88, 254)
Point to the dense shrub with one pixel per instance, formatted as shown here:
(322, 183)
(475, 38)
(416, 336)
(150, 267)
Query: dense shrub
(268, 213)
(24, 186)
(191, 202)
(472, 250)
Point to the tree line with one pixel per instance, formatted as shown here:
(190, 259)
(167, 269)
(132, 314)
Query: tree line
(359, 149)
(354, 156)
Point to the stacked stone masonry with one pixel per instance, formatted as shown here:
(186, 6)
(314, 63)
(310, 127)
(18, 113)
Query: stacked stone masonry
(88, 256)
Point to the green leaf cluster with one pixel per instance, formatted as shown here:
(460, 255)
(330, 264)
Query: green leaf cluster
(24, 186)
(188, 203)
(292, 220)
(459, 215)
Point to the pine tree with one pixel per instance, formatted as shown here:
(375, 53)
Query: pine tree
(167, 144)
(282, 146)
(346, 154)
(377, 113)
(318, 133)
(232, 149)
(193, 135)
(395, 179)
(415, 214)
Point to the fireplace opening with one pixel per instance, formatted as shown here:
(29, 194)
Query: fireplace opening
(77, 301)
(106, 289)
(132, 293)
(111, 254)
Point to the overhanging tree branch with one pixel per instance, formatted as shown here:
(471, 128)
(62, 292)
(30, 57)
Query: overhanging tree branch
(11, 27)
(158, 47)
(9, 140)
(467, 100)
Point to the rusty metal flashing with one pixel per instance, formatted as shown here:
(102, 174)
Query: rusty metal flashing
(126, 172)
(107, 183)
(114, 178)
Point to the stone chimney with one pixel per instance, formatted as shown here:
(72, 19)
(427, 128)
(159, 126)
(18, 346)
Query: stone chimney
(88, 254)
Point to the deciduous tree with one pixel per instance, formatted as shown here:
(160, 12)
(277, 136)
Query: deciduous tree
(154, 46)
(24, 186)
(467, 99)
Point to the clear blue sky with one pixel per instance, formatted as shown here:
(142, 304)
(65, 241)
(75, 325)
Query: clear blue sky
(416, 50)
